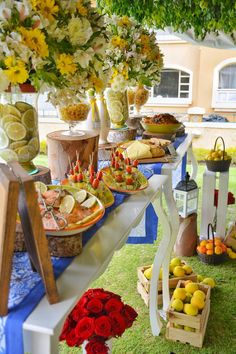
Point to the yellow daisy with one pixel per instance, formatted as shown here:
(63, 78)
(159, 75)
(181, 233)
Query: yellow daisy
(97, 83)
(48, 9)
(17, 74)
(10, 61)
(35, 40)
(124, 21)
(65, 64)
(83, 11)
(34, 4)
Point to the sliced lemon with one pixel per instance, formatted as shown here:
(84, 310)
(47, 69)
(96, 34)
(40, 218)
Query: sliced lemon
(9, 118)
(8, 155)
(80, 196)
(29, 119)
(1, 109)
(26, 153)
(35, 143)
(18, 144)
(16, 131)
(10, 109)
(67, 204)
(23, 106)
(90, 202)
(4, 141)
(40, 186)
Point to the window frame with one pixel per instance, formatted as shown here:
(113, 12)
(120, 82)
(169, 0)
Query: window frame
(215, 87)
(172, 101)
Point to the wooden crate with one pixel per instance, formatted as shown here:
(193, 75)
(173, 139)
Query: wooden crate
(198, 322)
(172, 281)
(146, 295)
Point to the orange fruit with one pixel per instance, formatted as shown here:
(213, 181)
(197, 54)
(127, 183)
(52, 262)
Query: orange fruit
(209, 252)
(201, 249)
(218, 250)
(209, 246)
(224, 248)
(218, 243)
(210, 241)
(203, 243)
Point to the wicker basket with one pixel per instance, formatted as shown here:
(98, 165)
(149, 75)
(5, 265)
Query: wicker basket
(213, 259)
(219, 166)
(59, 246)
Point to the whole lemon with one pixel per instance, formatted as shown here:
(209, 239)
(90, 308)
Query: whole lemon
(200, 278)
(232, 255)
(177, 305)
(191, 287)
(179, 293)
(171, 268)
(190, 309)
(148, 273)
(176, 325)
(209, 281)
(199, 293)
(189, 329)
(188, 270)
(198, 302)
(179, 271)
(188, 297)
(175, 261)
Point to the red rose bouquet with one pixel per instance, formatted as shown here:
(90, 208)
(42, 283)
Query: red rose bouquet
(98, 316)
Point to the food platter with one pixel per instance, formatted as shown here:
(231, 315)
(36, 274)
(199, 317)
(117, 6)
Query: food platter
(157, 147)
(93, 211)
(111, 183)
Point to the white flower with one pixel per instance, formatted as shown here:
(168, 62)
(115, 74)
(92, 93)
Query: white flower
(4, 82)
(79, 31)
(84, 57)
(99, 45)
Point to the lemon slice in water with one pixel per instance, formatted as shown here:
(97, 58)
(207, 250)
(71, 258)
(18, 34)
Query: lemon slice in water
(4, 141)
(22, 106)
(10, 109)
(29, 119)
(80, 196)
(8, 155)
(16, 131)
(67, 204)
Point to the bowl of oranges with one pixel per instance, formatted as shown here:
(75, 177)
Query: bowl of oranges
(212, 250)
(218, 160)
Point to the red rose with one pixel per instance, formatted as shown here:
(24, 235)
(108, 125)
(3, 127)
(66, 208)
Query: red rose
(72, 339)
(99, 293)
(129, 314)
(113, 305)
(66, 329)
(95, 306)
(96, 346)
(78, 313)
(118, 323)
(102, 326)
(82, 301)
(85, 328)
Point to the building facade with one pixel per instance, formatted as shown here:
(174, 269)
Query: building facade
(195, 76)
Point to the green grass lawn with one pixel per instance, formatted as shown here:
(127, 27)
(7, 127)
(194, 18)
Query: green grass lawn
(121, 277)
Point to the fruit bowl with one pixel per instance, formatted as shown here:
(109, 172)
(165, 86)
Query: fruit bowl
(160, 128)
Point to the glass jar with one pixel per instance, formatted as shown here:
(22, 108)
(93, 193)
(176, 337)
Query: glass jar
(118, 108)
(19, 134)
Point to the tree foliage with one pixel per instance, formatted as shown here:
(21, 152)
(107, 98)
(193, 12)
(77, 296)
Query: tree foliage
(203, 16)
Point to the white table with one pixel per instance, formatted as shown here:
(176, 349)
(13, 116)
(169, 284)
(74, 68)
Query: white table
(43, 326)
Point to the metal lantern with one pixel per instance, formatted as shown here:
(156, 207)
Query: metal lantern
(186, 196)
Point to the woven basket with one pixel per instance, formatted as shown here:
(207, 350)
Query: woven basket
(219, 166)
(213, 259)
(59, 246)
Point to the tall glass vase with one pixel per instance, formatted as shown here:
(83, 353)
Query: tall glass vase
(118, 108)
(19, 134)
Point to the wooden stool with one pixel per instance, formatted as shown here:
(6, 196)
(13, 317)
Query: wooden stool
(61, 148)
(208, 208)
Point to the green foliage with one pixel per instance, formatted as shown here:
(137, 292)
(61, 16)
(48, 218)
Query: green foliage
(203, 16)
(43, 147)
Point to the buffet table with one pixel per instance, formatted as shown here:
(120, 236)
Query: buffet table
(42, 328)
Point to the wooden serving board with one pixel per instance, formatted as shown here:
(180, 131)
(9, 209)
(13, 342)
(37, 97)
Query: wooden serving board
(164, 159)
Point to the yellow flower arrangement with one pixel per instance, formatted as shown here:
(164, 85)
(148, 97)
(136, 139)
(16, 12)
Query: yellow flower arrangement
(57, 42)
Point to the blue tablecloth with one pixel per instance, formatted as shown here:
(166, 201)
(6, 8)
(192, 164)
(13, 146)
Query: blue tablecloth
(27, 289)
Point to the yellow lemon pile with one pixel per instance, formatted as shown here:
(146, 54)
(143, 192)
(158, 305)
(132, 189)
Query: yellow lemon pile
(189, 300)
(231, 253)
